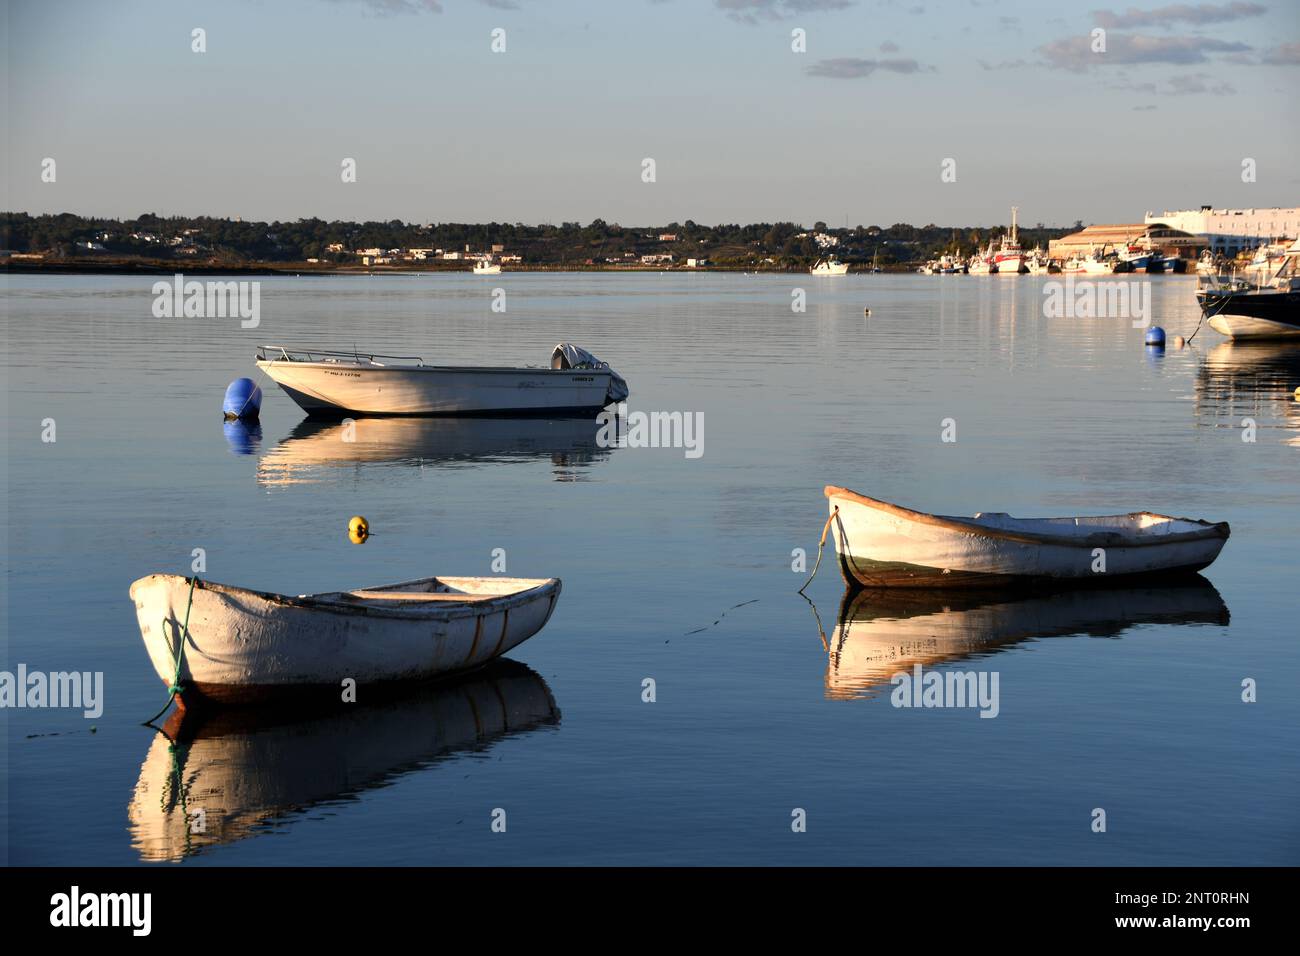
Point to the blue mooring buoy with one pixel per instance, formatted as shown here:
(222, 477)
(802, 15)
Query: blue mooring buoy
(243, 400)
(1156, 336)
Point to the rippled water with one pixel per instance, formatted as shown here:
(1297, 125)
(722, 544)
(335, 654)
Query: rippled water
(674, 569)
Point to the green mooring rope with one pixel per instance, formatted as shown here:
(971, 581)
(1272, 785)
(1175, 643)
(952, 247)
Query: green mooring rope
(820, 545)
(175, 687)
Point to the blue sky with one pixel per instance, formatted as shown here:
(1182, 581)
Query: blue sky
(741, 128)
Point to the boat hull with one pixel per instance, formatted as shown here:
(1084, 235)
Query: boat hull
(883, 546)
(1252, 315)
(248, 646)
(333, 389)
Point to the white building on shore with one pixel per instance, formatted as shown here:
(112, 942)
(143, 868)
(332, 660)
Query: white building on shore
(1230, 231)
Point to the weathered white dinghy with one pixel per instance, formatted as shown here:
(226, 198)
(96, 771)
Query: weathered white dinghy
(884, 545)
(338, 383)
(251, 645)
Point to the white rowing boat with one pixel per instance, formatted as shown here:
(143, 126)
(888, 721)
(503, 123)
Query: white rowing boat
(883, 545)
(338, 383)
(246, 645)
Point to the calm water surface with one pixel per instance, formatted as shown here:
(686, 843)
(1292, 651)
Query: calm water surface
(674, 569)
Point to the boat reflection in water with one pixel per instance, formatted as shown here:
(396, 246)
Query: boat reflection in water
(249, 771)
(883, 632)
(1249, 379)
(314, 447)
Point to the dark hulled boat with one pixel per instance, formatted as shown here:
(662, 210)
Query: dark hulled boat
(1266, 310)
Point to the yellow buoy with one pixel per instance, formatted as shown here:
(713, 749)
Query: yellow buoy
(1179, 341)
(1297, 393)
(358, 529)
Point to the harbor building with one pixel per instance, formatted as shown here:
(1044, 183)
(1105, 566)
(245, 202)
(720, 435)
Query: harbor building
(1231, 231)
(1153, 235)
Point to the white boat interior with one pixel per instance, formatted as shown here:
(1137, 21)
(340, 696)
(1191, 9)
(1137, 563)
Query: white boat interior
(1141, 524)
(438, 590)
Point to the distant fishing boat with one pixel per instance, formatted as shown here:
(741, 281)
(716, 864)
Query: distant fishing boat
(243, 645)
(830, 267)
(1208, 264)
(1009, 259)
(1139, 259)
(1101, 263)
(884, 545)
(981, 264)
(1266, 260)
(1037, 263)
(486, 267)
(1265, 310)
(337, 383)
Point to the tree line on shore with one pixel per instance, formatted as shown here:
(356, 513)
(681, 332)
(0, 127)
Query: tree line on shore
(234, 241)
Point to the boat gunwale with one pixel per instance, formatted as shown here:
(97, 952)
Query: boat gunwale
(265, 364)
(539, 588)
(1207, 531)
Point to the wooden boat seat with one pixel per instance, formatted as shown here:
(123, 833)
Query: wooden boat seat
(414, 596)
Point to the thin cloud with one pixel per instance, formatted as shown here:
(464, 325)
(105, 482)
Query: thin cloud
(1288, 54)
(386, 8)
(1076, 53)
(855, 68)
(889, 46)
(1196, 84)
(754, 11)
(1198, 14)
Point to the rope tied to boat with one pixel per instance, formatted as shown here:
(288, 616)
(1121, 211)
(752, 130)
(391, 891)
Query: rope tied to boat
(820, 545)
(175, 687)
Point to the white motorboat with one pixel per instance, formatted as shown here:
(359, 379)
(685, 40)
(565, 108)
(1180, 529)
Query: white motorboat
(337, 383)
(486, 267)
(830, 267)
(242, 646)
(884, 545)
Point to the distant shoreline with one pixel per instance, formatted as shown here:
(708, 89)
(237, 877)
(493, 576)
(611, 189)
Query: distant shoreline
(160, 267)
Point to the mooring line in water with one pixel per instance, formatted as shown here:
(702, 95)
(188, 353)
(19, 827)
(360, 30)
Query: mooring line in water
(820, 544)
(821, 631)
(175, 687)
(1223, 304)
(721, 616)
